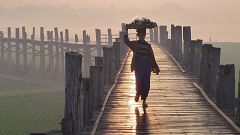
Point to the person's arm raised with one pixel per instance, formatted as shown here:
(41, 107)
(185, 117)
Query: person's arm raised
(129, 43)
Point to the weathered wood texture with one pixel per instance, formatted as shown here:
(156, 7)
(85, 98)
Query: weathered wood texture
(225, 95)
(175, 105)
(163, 36)
(73, 116)
(187, 41)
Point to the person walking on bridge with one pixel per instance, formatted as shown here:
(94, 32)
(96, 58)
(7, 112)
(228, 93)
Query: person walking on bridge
(143, 63)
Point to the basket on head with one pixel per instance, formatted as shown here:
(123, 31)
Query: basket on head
(141, 23)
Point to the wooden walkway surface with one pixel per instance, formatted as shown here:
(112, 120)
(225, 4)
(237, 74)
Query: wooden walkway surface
(176, 106)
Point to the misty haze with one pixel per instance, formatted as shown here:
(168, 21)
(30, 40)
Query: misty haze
(72, 67)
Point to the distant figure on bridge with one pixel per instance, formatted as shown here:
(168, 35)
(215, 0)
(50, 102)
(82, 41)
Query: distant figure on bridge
(143, 63)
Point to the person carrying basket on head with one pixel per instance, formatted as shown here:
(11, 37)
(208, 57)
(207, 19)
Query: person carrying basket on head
(143, 60)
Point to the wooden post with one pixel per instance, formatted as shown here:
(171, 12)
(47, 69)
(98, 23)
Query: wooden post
(42, 51)
(163, 35)
(123, 27)
(169, 45)
(204, 65)
(215, 61)
(66, 35)
(109, 36)
(86, 55)
(225, 93)
(178, 46)
(212, 61)
(151, 35)
(76, 38)
(9, 60)
(67, 39)
(62, 51)
(196, 57)
(57, 50)
(106, 64)
(25, 63)
(239, 84)
(33, 50)
(88, 101)
(123, 47)
(187, 40)
(2, 60)
(98, 61)
(174, 41)
(50, 52)
(237, 115)
(97, 85)
(98, 42)
(73, 116)
(116, 47)
(112, 65)
(155, 34)
(17, 51)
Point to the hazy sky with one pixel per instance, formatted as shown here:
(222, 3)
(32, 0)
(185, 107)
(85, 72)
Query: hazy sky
(216, 18)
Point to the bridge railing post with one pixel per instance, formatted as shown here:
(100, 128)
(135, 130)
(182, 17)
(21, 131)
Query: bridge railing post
(106, 64)
(116, 47)
(88, 101)
(72, 124)
(163, 36)
(237, 103)
(33, 65)
(57, 54)
(25, 54)
(98, 42)
(62, 52)
(110, 37)
(86, 55)
(225, 94)
(196, 46)
(187, 40)
(209, 67)
(2, 59)
(42, 52)
(9, 50)
(17, 46)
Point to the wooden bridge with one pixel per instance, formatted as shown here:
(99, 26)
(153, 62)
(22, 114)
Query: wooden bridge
(176, 105)
(193, 94)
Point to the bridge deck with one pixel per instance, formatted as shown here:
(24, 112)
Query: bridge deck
(175, 105)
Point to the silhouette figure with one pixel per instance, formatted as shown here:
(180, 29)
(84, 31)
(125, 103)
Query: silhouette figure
(143, 63)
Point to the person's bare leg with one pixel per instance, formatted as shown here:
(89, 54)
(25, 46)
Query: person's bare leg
(144, 104)
(136, 98)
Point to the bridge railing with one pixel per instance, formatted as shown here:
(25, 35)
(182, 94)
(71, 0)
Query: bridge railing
(84, 96)
(44, 55)
(203, 62)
